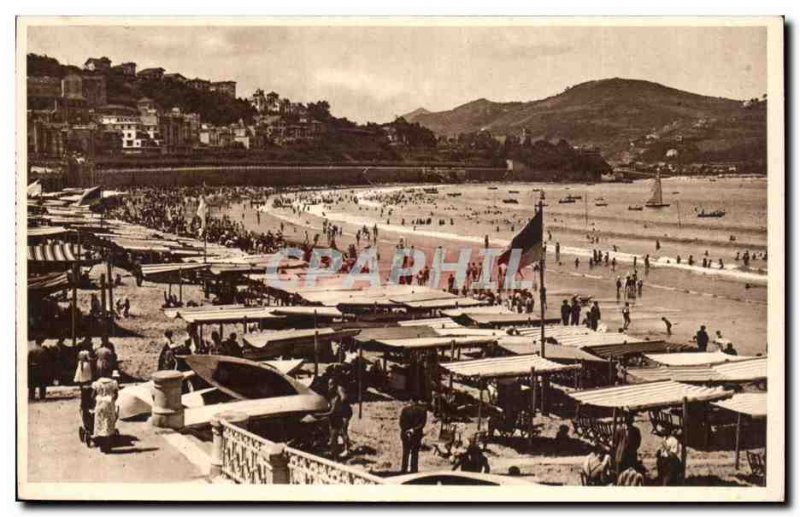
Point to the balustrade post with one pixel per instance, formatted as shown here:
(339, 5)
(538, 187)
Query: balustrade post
(215, 467)
(278, 463)
(167, 405)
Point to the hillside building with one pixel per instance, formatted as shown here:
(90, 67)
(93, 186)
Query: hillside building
(102, 64)
(227, 88)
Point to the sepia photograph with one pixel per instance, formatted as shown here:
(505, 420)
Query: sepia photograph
(400, 259)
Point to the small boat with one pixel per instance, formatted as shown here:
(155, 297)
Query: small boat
(713, 213)
(656, 200)
(637, 208)
(566, 200)
(513, 191)
(511, 201)
(492, 188)
(601, 203)
(454, 194)
(431, 190)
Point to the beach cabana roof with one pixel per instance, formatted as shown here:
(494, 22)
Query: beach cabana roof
(743, 371)
(513, 366)
(296, 336)
(652, 395)
(158, 271)
(175, 312)
(428, 343)
(500, 320)
(695, 358)
(233, 315)
(484, 309)
(308, 310)
(46, 284)
(442, 303)
(751, 404)
(434, 323)
(60, 252)
(750, 370)
(404, 332)
(47, 231)
(523, 345)
(601, 344)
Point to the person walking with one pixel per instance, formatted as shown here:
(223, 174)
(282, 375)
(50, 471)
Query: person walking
(412, 424)
(628, 440)
(39, 370)
(667, 324)
(105, 412)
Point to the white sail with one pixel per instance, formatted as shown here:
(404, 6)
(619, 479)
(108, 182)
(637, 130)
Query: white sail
(656, 198)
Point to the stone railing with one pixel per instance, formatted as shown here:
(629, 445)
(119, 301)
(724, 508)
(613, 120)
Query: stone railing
(244, 457)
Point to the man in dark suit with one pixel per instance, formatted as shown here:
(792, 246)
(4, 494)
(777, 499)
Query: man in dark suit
(412, 424)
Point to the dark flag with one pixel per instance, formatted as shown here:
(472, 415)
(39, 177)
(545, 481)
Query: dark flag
(530, 240)
(90, 197)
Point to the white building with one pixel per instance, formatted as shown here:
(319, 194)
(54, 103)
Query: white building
(136, 136)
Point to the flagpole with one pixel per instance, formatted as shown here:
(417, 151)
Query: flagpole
(542, 295)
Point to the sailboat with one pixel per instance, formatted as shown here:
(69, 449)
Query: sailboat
(656, 200)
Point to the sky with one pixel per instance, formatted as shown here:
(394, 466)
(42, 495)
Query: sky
(377, 73)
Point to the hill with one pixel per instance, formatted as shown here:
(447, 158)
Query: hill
(629, 120)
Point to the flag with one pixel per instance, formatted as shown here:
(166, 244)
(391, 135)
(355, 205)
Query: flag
(35, 189)
(90, 197)
(202, 212)
(530, 240)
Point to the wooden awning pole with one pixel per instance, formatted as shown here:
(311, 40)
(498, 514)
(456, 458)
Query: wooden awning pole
(685, 437)
(738, 438)
(533, 401)
(360, 379)
(75, 280)
(480, 403)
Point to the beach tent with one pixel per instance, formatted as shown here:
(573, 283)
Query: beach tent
(531, 366)
(489, 320)
(695, 358)
(650, 396)
(749, 405)
(748, 370)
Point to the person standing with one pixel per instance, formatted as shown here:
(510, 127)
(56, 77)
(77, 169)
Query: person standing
(576, 312)
(472, 460)
(566, 311)
(412, 424)
(594, 314)
(39, 370)
(105, 359)
(105, 412)
(702, 339)
(628, 439)
(626, 316)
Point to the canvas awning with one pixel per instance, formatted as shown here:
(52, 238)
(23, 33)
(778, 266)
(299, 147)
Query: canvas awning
(695, 358)
(523, 345)
(46, 284)
(652, 395)
(752, 404)
(434, 323)
(443, 303)
(175, 312)
(309, 311)
(428, 343)
(296, 336)
(47, 231)
(744, 371)
(60, 252)
(484, 309)
(404, 332)
(513, 366)
(237, 315)
(738, 371)
(155, 271)
(500, 320)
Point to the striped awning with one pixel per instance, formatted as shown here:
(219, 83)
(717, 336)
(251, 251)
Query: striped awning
(308, 311)
(500, 320)
(744, 371)
(637, 397)
(676, 373)
(60, 252)
(513, 366)
(46, 284)
(753, 404)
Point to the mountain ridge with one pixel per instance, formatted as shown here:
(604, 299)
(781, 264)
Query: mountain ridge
(627, 119)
